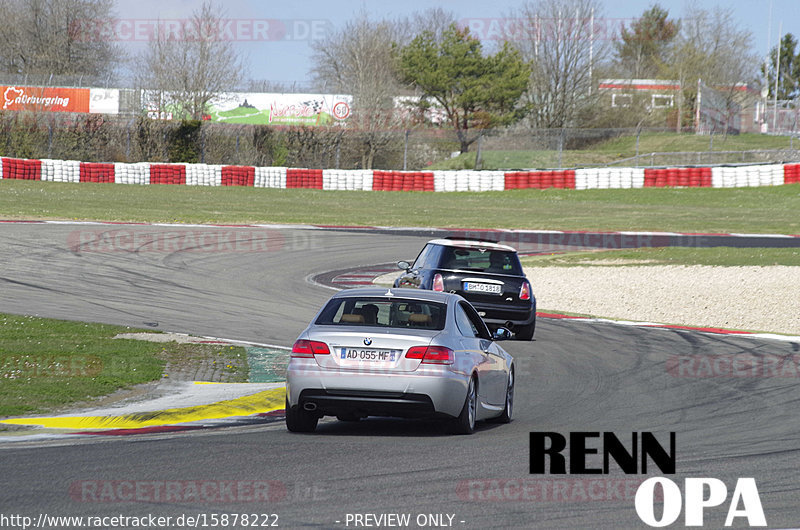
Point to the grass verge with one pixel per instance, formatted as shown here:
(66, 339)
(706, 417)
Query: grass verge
(618, 149)
(714, 256)
(47, 364)
(756, 210)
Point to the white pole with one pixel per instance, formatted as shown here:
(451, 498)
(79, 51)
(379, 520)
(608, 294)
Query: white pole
(777, 74)
(591, 50)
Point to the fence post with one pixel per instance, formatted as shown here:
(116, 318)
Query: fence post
(128, 141)
(202, 144)
(478, 158)
(560, 147)
(405, 152)
(50, 140)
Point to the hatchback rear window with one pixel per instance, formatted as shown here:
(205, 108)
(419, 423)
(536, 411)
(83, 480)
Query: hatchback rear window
(383, 312)
(481, 260)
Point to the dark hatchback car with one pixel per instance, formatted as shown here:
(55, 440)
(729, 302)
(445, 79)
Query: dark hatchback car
(487, 274)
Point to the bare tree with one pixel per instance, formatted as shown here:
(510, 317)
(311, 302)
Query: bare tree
(58, 37)
(187, 68)
(710, 47)
(358, 60)
(556, 37)
(434, 20)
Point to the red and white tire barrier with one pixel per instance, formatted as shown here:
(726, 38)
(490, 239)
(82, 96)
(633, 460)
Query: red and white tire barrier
(381, 180)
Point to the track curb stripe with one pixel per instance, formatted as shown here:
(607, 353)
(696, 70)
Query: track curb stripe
(261, 402)
(677, 327)
(417, 229)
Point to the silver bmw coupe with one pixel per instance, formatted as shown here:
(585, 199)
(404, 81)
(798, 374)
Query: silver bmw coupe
(400, 353)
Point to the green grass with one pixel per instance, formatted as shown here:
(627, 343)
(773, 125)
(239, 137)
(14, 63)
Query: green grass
(617, 149)
(715, 256)
(758, 210)
(47, 364)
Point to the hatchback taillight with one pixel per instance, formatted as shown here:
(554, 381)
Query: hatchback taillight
(438, 283)
(309, 348)
(525, 291)
(431, 354)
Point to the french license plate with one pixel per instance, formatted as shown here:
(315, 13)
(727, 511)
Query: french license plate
(370, 355)
(491, 288)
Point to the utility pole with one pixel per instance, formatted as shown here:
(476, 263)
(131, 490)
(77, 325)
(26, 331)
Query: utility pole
(777, 75)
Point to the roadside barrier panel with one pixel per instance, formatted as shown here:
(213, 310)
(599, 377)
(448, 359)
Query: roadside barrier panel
(722, 177)
(61, 170)
(304, 178)
(521, 180)
(238, 175)
(270, 177)
(97, 172)
(22, 169)
(347, 179)
(403, 181)
(673, 177)
(138, 173)
(167, 174)
(203, 175)
(791, 173)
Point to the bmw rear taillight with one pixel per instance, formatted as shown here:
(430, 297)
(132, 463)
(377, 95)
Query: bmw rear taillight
(525, 291)
(309, 348)
(431, 354)
(438, 283)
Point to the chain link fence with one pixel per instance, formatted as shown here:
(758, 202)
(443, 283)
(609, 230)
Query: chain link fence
(105, 138)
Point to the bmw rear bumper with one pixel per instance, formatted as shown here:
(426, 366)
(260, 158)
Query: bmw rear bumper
(426, 392)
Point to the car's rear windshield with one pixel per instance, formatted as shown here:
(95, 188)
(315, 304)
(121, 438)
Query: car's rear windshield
(383, 312)
(481, 260)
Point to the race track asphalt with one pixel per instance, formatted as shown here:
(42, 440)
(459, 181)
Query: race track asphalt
(575, 376)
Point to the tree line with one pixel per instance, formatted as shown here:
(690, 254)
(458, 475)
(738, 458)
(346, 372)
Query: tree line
(544, 74)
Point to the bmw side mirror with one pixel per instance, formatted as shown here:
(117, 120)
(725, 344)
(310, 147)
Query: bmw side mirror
(403, 265)
(501, 334)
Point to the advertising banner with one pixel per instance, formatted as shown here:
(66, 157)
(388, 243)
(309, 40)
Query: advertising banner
(60, 99)
(48, 99)
(104, 101)
(280, 109)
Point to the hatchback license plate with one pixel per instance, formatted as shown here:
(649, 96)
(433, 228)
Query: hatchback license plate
(368, 355)
(490, 288)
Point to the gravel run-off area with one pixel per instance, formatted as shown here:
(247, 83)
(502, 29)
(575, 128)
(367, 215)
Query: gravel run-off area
(747, 298)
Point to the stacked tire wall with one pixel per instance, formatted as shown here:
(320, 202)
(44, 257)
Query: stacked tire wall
(145, 173)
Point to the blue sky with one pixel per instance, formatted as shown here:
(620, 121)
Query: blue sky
(275, 36)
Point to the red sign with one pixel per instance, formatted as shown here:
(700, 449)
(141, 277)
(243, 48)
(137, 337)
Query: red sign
(50, 99)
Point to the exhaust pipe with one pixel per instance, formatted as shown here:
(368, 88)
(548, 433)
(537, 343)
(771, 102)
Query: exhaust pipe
(309, 406)
(509, 325)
